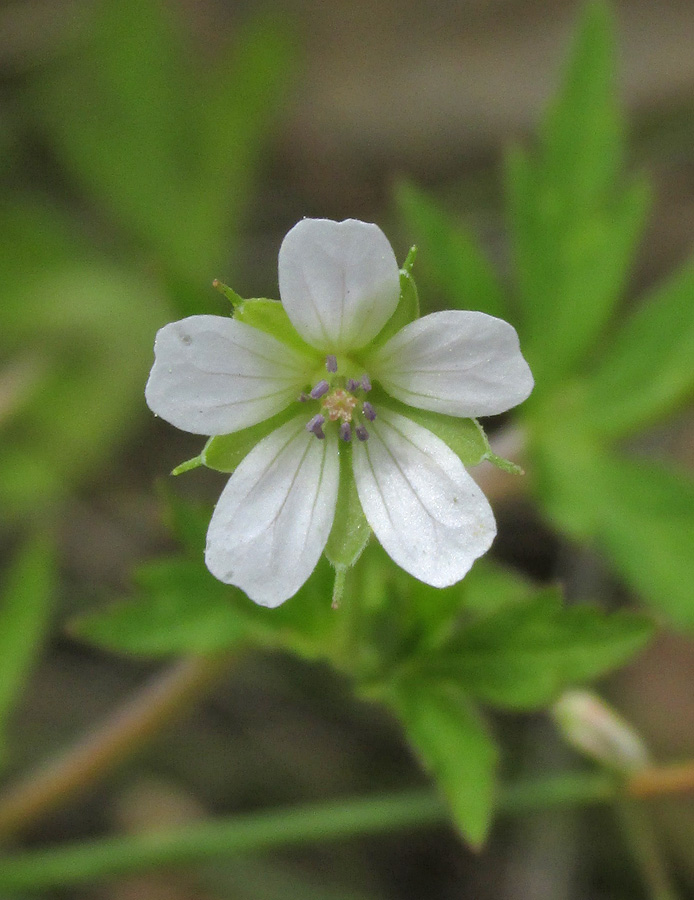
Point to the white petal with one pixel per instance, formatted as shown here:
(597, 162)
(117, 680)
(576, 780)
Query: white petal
(339, 282)
(455, 362)
(274, 516)
(213, 375)
(424, 508)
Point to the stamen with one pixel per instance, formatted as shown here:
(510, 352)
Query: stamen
(366, 382)
(304, 397)
(315, 425)
(353, 385)
(346, 432)
(331, 363)
(368, 411)
(321, 388)
(362, 433)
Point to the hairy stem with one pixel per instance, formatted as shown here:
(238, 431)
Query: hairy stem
(115, 740)
(258, 832)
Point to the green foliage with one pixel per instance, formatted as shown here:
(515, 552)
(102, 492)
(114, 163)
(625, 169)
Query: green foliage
(647, 373)
(25, 608)
(167, 148)
(455, 746)
(450, 255)
(77, 347)
(523, 656)
(575, 224)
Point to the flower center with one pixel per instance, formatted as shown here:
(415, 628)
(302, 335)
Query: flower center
(340, 401)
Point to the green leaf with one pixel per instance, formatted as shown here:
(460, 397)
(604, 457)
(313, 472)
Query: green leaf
(224, 452)
(648, 372)
(180, 608)
(575, 229)
(270, 316)
(350, 532)
(454, 745)
(523, 656)
(77, 339)
(25, 610)
(167, 148)
(582, 134)
(450, 255)
(645, 526)
(638, 515)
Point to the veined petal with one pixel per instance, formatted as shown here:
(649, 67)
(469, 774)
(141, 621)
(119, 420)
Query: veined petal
(213, 375)
(425, 509)
(273, 518)
(339, 282)
(455, 362)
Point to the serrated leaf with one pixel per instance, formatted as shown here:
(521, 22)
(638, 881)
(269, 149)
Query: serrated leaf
(25, 609)
(450, 255)
(646, 528)
(523, 656)
(575, 228)
(582, 133)
(180, 608)
(454, 745)
(648, 371)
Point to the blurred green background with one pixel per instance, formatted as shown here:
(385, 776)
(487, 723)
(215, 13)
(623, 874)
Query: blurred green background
(147, 148)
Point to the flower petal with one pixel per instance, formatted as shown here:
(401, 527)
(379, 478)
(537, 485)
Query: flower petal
(213, 375)
(273, 518)
(339, 282)
(455, 362)
(422, 505)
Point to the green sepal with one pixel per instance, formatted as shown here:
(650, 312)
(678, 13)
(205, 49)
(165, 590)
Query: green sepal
(235, 299)
(499, 461)
(187, 465)
(408, 265)
(270, 316)
(225, 451)
(350, 532)
(465, 437)
(504, 464)
(407, 309)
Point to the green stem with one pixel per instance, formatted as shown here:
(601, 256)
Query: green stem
(242, 834)
(638, 832)
(259, 832)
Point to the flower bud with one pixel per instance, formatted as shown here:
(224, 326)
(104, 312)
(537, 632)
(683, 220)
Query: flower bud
(593, 728)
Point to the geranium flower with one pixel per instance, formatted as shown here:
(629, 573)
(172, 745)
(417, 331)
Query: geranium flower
(339, 284)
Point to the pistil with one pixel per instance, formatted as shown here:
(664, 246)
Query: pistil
(338, 403)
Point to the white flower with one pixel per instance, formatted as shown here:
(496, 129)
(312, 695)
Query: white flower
(339, 284)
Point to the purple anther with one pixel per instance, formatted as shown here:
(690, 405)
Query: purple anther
(321, 388)
(352, 385)
(331, 363)
(366, 382)
(346, 432)
(304, 397)
(315, 425)
(362, 433)
(368, 411)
